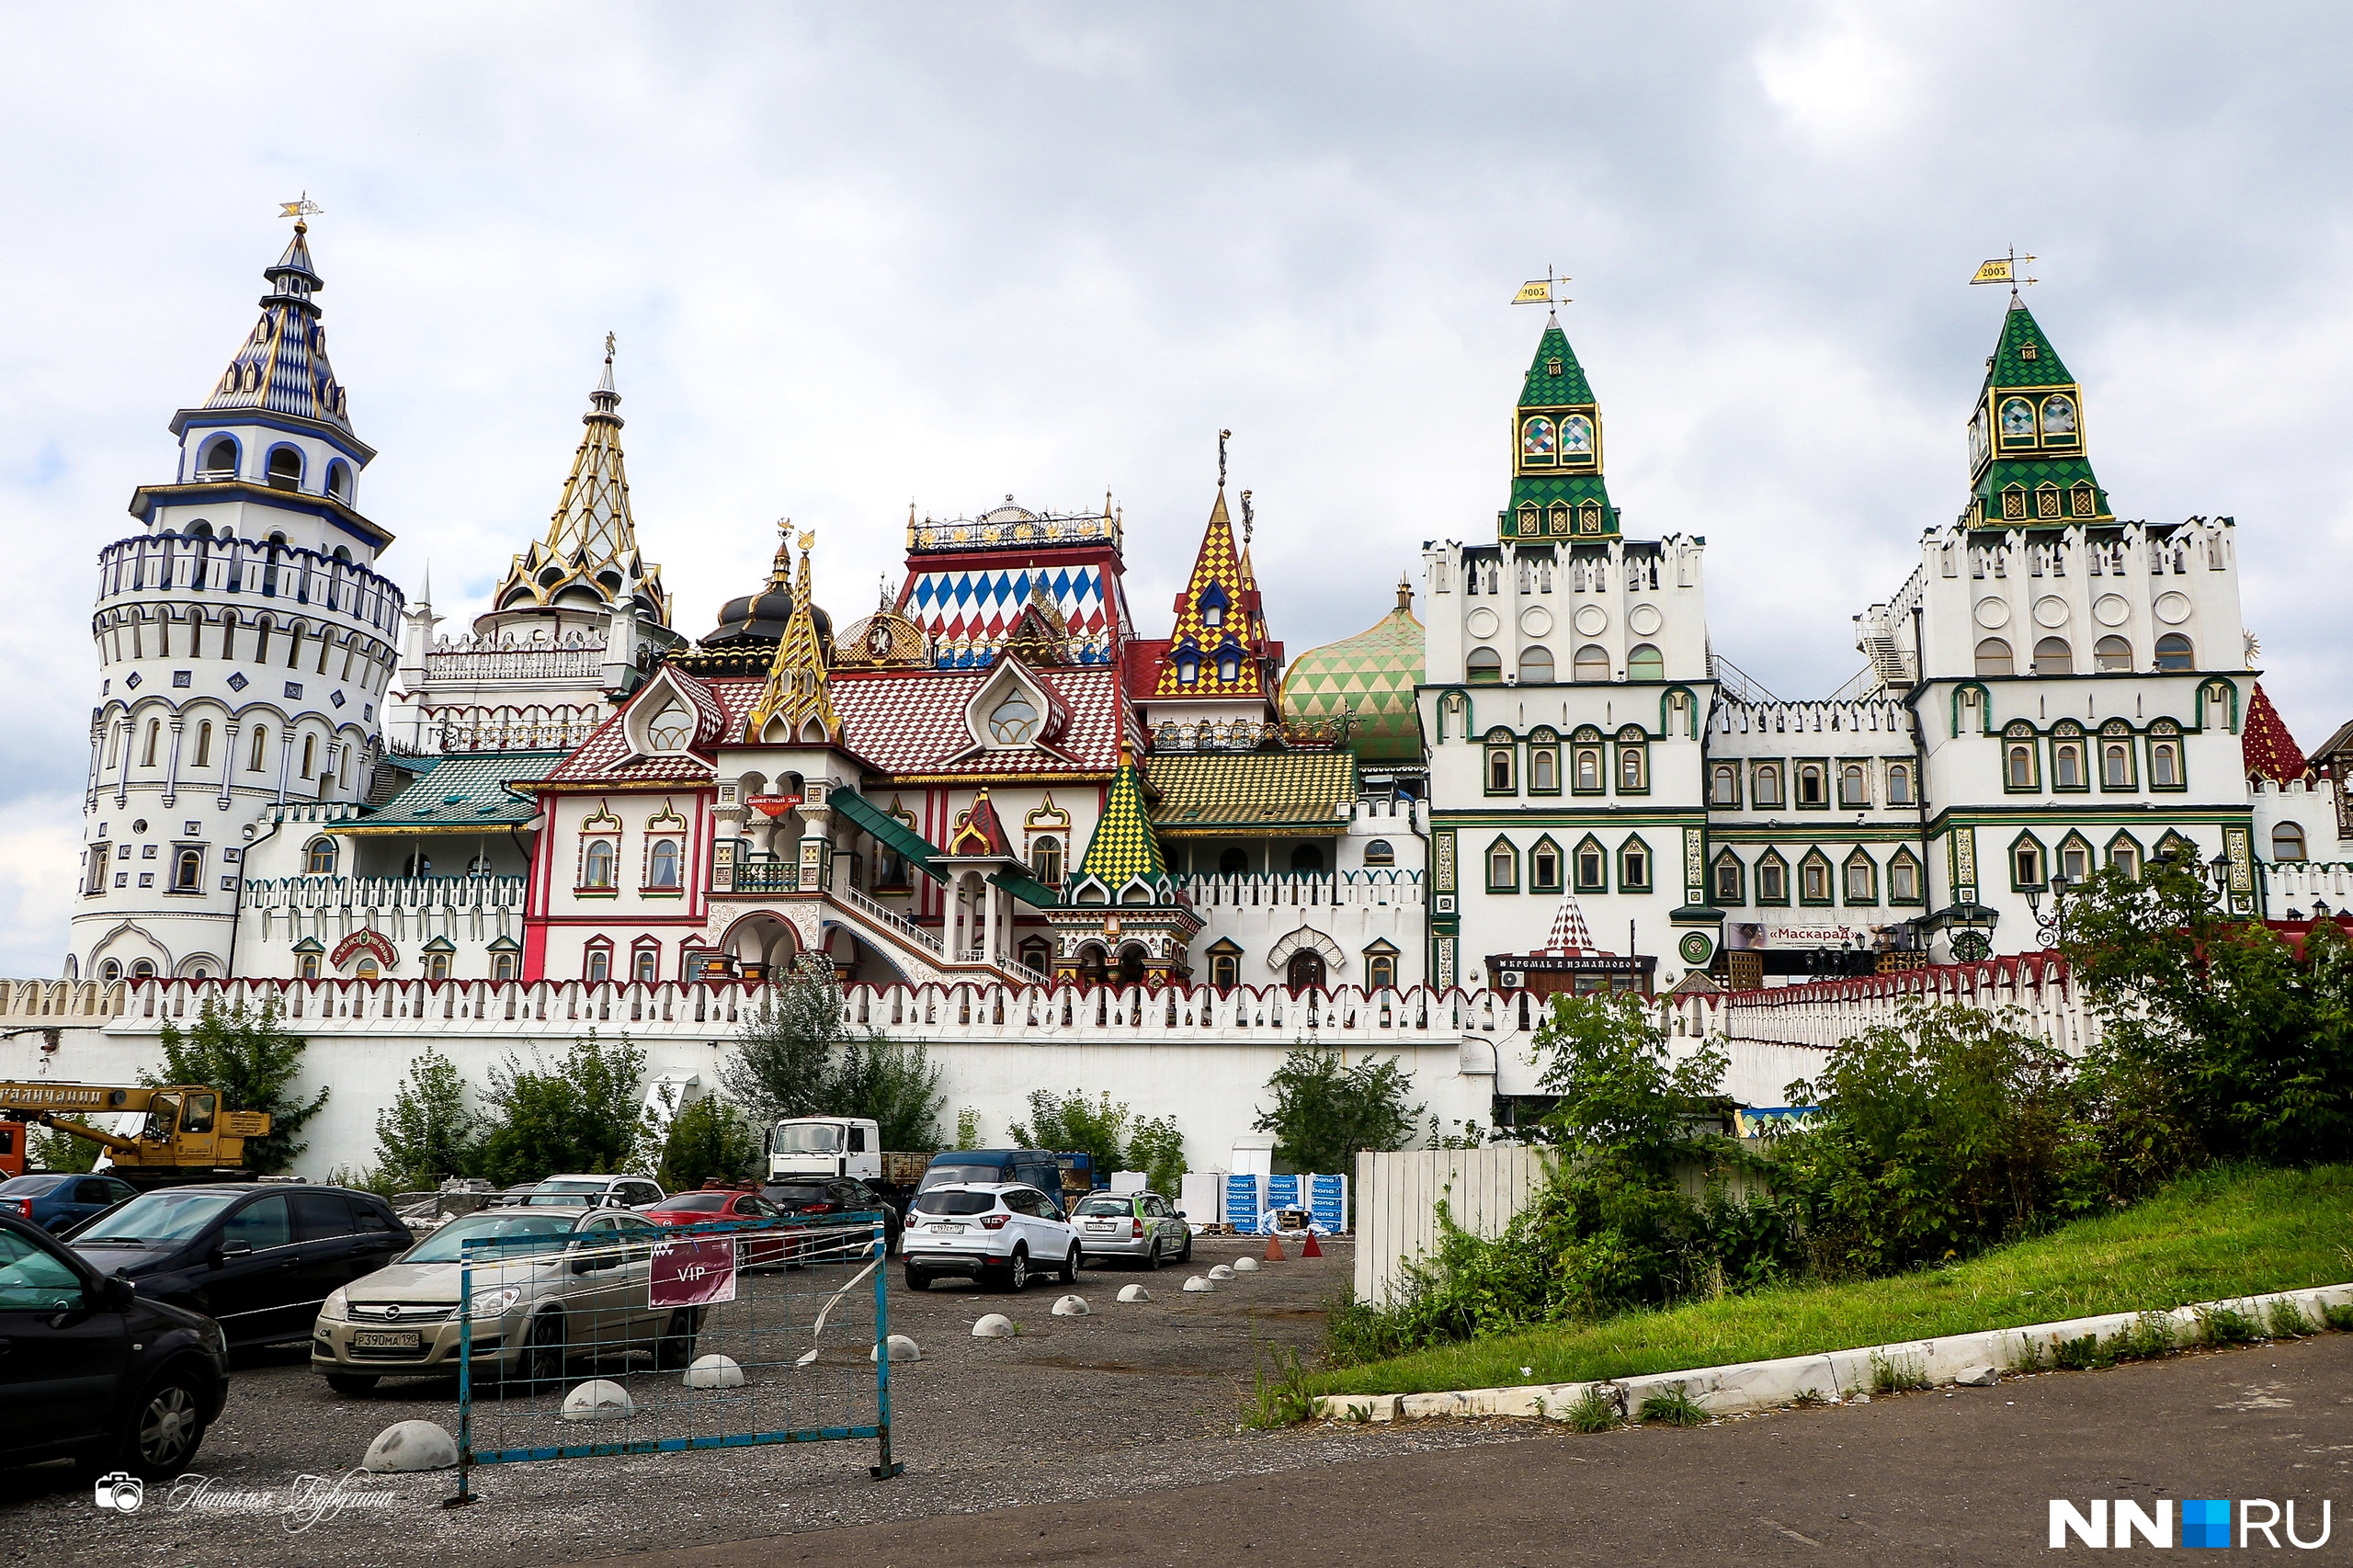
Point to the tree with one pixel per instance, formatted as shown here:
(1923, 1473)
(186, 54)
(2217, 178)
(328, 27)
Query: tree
(1157, 1150)
(56, 1151)
(2239, 1042)
(1071, 1122)
(427, 1134)
(253, 1061)
(796, 1055)
(1325, 1113)
(710, 1139)
(582, 1114)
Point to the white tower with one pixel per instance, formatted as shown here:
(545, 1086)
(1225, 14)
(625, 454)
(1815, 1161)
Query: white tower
(246, 643)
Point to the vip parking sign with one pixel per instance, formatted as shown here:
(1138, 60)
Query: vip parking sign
(694, 1274)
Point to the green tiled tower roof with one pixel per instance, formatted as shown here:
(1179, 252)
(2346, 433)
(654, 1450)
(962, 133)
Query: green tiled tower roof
(1372, 675)
(2029, 461)
(1123, 846)
(1556, 486)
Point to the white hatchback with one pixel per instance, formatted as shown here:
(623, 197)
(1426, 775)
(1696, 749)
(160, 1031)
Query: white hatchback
(996, 1234)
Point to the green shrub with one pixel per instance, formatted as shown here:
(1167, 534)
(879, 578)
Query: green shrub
(2226, 1325)
(2081, 1355)
(1325, 1112)
(1073, 1123)
(1594, 1411)
(708, 1141)
(581, 1113)
(796, 1054)
(2339, 1318)
(1157, 1149)
(2149, 1336)
(2286, 1321)
(248, 1055)
(1672, 1407)
(1897, 1374)
(427, 1134)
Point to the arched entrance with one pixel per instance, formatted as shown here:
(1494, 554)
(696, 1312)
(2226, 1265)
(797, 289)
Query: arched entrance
(1306, 972)
(1132, 958)
(763, 945)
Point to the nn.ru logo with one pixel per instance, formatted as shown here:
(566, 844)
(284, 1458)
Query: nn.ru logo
(2205, 1522)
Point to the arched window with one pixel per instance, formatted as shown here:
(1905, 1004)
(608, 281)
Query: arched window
(204, 745)
(1769, 784)
(110, 971)
(502, 966)
(600, 967)
(417, 864)
(367, 968)
(1535, 666)
(1503, 754)
(1854, 786)
(1381, 971)
(188, 871)
(1728, 878)
(1899, 784)
(144, 970)
(1634, 768)
(285, 471)
(1035, 954)
(310, 757)
(2173, 653)
(1229, 665)
(1723, 785)
(1645, 662)
(1813, 789)
(1585, 767)
(1994, 657)
(599, 864)
(2165, 764)
(645, 965)
(1046, 860)
(1592, 663)
(1485, 668)
(1213, 614)
(661, 865)
(339, 482)
(670, 729)
(1378, 852)
(220, 459)
(2067, 765)
(1189, 669)
(1304, 973)
(1014, 720)
(2288, 842)
(1634, 868)
(2052, 657)
(154, 735)
(1307, 860)
(2112, 654)
(1232, 863)
(1544, 770)
(437, 966)
(2116, 764)
(318, 860)
(261, 749)
(2020, 767)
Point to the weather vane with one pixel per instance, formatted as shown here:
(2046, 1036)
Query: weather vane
(1222, 437)
(2010, 269)
(299, 207)
(1542, 291)
(1247, 523)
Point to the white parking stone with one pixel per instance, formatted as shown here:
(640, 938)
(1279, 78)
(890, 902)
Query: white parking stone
(902, 1350)
(1198, 1285)
(1221, 1272)
(1246, 1266)
(715, 1372)
(410, 1446)
(1073, 1307)
(1133, 1293)
(600, 1398)
(995, 1326)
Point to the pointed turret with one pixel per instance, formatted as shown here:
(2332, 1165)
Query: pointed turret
(1123, 849)
(282, 366)
(589, 558)
(1556, 488)
(1219, 645)
(2028, 466)
(2269, 751)
(796, 707)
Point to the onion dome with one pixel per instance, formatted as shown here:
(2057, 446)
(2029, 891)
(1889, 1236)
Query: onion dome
(1369, 679)
(760, 619)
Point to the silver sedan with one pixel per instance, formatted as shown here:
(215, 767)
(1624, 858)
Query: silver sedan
(1136, 1227)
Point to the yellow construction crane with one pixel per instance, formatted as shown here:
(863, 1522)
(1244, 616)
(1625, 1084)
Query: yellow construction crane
(186, 1134)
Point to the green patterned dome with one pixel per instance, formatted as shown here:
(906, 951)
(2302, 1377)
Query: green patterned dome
(1372, 675)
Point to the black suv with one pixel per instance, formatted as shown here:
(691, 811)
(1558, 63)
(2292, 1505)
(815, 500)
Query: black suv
(90, 1370)
(257, 1258)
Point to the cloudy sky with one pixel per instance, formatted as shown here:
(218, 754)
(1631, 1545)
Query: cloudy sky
(859, 255)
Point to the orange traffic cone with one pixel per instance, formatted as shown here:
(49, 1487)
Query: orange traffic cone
(1310, 1249)
(1275, 1253)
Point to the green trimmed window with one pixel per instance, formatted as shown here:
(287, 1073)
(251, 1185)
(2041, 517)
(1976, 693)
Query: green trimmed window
(1592, 865)
(2166, 770)
(1544, 866)
(2076, 860)
(1814, 878)
(1899, 785)
(1633, 762)
(1585, 770)
(1723, 784)
(1766, 787)
(2029, 864)
(1544, 763)
(1906, 881)
(1813, 786)
(2116, 760)
(2124, 855)
(1503, 867)
(1859, 876)
(1634, 867)
(1772, 879)
(1503, 763)
(1729, 883)
(2021, 760)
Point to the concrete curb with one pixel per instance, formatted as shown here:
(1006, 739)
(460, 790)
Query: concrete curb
(1748, 1386)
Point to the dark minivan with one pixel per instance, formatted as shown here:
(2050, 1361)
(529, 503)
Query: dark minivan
(256, 1258)
(1054, 1174)
(94, 1372)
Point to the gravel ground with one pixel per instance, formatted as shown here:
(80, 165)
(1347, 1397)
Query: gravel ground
(1132, 1399)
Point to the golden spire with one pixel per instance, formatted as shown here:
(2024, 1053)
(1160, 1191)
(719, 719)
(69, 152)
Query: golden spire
(797, 694)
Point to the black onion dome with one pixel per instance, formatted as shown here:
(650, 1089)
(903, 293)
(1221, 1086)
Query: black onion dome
(760, 617)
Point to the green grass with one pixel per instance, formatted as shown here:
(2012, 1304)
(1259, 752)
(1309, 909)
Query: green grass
(2215, 1235)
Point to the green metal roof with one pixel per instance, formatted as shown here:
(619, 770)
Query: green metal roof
(1225, 792)
(1373, 675)
(917, 849)
(2025, 363)
(464, 793)
(1546, 389)
(2013, 367)
(1123, 846)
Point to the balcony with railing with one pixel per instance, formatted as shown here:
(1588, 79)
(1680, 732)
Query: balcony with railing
(765, 874)
(247, 569)
(577, 655)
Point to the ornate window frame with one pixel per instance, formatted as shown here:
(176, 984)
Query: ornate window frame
(1772, 866)
(1501, 853)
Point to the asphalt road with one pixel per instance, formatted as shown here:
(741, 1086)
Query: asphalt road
(1932, 1478)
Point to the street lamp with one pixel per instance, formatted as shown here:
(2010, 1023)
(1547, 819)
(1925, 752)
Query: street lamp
(2050, 929)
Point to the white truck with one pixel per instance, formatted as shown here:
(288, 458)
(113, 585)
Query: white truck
(825, 1145)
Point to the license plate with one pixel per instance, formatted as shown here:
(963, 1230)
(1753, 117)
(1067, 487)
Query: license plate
(937, 1229)
(388, 1339)
(1099, 1225)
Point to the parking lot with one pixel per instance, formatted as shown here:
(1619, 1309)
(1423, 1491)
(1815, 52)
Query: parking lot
(1132, 1399)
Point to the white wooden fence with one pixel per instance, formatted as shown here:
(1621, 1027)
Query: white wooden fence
(1397, 1197)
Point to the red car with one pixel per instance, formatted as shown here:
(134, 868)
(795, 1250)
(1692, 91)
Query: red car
(717, 1204)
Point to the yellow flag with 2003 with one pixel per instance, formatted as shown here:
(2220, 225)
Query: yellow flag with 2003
(1998, 270)
(1538, 292)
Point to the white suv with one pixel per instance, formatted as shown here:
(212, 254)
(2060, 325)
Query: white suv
(996, 1234)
